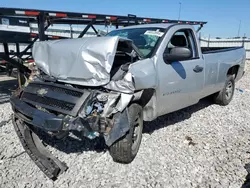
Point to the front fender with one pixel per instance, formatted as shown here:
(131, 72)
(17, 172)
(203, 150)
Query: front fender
(144, 74)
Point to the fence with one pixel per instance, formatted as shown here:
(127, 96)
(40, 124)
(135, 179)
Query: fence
(227, 43)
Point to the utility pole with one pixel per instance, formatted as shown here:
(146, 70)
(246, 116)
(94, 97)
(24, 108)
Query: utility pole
(239, 28)
(179, 11)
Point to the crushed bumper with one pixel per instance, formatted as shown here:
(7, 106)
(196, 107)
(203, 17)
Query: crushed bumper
(112, 130)
(49, 122)
(33, 116)
(50, 165)
(27, 118)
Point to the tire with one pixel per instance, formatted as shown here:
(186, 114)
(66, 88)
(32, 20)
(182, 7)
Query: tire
(225, 96)
(126, 148)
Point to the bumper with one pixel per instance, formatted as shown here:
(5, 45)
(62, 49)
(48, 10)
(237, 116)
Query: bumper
(91, 127)
(26, 115)
(51, 123)
(33, 116)
(48, 164)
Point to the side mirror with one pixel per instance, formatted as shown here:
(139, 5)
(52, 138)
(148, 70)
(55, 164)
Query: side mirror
(177, 54)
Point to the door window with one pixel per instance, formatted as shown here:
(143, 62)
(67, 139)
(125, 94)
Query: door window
(183, 38)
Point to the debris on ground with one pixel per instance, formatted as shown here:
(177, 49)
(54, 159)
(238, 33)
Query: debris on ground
(204, 145)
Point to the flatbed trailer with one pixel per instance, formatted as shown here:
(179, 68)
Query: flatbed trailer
(45, 18)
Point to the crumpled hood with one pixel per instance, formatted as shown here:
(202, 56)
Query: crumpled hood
(83, 61)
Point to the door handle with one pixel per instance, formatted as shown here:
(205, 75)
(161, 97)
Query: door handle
(198, 69)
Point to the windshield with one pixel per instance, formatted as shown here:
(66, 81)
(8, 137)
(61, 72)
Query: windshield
(145, 39)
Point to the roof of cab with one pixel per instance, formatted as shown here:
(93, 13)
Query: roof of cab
(159, 25)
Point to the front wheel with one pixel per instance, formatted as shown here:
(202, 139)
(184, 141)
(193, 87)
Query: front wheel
(225, 96)
(126, 148)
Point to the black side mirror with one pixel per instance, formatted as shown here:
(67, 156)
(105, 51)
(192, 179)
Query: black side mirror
(177, 54)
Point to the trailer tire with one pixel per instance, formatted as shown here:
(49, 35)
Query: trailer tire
(225, 96)
(126, 148)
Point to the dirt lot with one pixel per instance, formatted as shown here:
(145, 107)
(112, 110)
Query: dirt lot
(205, 145)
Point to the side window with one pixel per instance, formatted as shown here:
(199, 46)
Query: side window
(183, 38)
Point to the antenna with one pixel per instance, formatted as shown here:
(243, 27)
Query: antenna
(179, 11)
(239, 28)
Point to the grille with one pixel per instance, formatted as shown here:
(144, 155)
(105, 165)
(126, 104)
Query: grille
(55, 97)
(58, 89)
(49, 102)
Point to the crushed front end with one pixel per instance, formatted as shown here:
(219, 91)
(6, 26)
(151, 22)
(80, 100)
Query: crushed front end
(57, 109)
(88, 92)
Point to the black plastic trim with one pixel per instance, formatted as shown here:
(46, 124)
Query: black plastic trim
(48, 164)
(223, 50)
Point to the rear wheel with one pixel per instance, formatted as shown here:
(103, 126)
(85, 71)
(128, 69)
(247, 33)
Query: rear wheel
(225, 96)
(126, 148)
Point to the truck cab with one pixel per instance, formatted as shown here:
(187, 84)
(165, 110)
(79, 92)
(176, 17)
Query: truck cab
(184, 74)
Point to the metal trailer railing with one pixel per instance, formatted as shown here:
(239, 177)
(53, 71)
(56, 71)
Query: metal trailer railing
(45, 18)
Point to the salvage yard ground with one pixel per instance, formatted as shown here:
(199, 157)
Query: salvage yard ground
(205, 145)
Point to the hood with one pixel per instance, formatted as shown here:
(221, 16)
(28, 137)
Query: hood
(83, 61)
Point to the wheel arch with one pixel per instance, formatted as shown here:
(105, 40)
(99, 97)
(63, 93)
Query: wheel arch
(233, 70)
(147, 100)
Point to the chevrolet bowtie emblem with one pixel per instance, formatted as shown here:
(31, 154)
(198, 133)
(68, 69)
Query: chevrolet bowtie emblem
(42, 91)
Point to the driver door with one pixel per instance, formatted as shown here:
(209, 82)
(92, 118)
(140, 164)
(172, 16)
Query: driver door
(179, 84)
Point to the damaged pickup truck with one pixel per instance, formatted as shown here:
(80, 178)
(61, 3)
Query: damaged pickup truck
(107, 86)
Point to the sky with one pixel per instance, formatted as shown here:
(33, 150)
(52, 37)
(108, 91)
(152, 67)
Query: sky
(223, 16)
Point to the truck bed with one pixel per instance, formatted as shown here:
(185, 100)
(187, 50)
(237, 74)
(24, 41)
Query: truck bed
(207, 50)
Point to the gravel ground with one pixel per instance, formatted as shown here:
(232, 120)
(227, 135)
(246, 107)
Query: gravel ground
(204, 145)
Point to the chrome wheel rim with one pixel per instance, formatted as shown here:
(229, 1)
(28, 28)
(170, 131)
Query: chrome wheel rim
(229, 90)
(136, 132)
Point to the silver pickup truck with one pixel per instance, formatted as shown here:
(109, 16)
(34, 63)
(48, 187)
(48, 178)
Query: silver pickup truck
(107, 86)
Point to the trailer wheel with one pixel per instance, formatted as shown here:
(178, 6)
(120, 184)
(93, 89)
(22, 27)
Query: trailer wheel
(225, 96)
(126, 148)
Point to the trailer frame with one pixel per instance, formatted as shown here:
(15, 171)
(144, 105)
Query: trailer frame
(45, 18)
